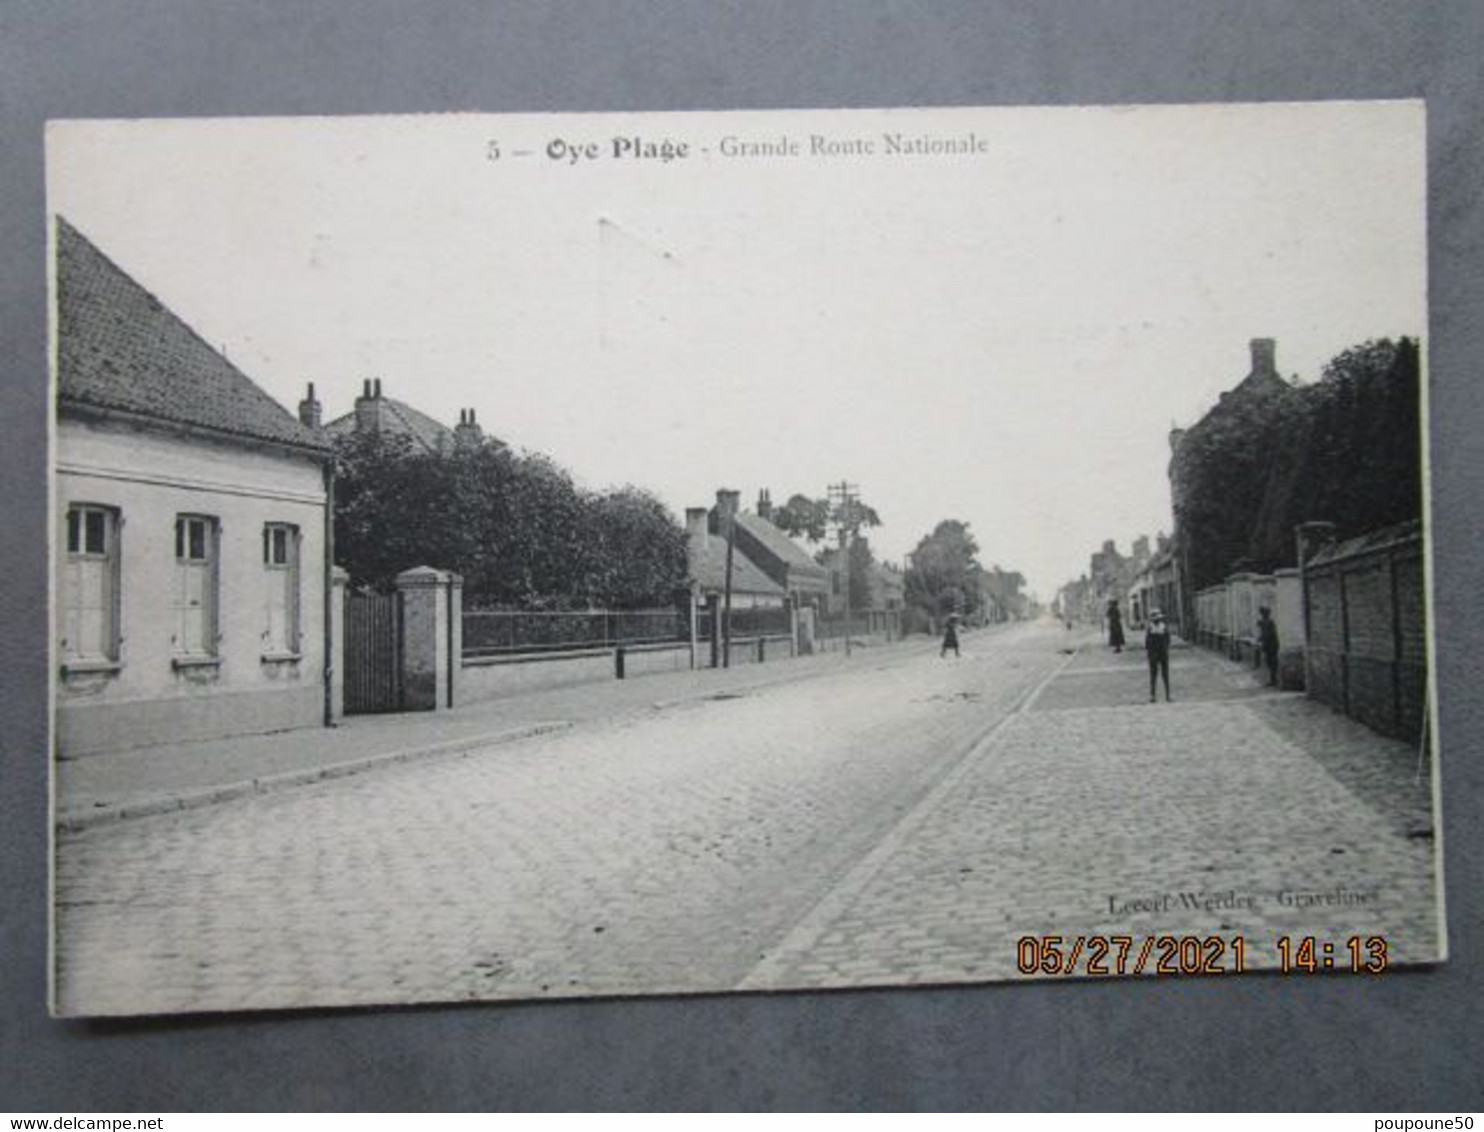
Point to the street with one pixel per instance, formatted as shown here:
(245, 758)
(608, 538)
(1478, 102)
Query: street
(896, 819)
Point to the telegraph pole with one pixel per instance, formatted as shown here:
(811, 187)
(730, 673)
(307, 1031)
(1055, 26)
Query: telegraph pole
(843, 497)
(726, 606)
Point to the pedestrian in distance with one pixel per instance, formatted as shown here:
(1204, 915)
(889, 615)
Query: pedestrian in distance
(1267, 636)
(950, 636)
(1157, 651)
(1115, 626)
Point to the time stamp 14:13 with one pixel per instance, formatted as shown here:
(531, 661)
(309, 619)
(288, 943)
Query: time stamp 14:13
(1104, 955)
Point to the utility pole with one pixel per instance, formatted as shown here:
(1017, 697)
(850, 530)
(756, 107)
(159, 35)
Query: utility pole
(843, 497)
(730, 506)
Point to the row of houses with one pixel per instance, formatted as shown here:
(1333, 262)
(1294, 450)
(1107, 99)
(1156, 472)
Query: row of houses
(195, 591)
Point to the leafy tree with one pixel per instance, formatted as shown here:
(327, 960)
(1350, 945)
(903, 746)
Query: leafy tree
(1346, 449)
(1351, 454)
(944, 575)
(862, 566)
(394, 509)
(812, 519)
(638, 557)
(802, 517)
(515, 526)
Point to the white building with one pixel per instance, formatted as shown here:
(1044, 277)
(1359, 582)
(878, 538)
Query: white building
(191, 529)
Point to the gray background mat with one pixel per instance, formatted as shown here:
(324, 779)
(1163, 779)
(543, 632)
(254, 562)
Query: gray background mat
(1412, 1040)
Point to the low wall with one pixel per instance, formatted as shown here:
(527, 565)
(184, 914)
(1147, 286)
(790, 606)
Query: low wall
(1227, 616)
(756, 650)
(489, 678)
(85, 729)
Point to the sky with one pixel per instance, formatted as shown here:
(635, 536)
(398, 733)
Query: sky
(1001, 332)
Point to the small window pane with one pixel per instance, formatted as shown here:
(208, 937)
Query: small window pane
(198, 540)
(95, 532)
(72, 536)
(180, 526)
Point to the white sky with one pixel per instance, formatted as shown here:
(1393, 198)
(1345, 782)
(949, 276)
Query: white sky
(1002, 338)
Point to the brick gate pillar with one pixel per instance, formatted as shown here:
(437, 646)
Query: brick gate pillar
(427, 637)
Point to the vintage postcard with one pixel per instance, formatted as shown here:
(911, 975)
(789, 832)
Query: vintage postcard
(510, 557)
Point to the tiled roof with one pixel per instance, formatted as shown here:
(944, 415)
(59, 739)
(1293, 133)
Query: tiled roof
(781, 546)
(120, 348)
(708, 569)
(401, 419)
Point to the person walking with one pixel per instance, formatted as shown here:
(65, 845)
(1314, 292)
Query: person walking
(1157, 650)
(1267, 636)
(950, 636)
(1115, 626)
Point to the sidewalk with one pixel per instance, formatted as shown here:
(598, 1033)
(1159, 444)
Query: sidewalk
(103, 787)
(1233, 811)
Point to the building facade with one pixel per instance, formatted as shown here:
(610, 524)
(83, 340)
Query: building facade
(192, 575)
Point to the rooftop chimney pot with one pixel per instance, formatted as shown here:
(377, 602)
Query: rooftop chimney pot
(1264, 355)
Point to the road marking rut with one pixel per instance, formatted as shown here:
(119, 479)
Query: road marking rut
(806, 933)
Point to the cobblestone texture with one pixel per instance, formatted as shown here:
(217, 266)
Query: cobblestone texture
(852, 826)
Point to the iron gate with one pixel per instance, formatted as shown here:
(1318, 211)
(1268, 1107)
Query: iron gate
(373, 653)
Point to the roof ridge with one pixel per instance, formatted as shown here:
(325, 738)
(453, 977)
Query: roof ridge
(91, 283)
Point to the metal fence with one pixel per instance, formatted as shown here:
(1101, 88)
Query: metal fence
(514, 632)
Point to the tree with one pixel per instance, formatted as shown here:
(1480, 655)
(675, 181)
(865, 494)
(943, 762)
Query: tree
(1351, 454)
(862, 566)
(812, 519)
(638, 557)
(515, 526)
(1346, 450)
(395, 507)
(944, 574)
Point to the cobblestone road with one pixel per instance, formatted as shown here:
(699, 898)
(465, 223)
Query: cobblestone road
(902, 821)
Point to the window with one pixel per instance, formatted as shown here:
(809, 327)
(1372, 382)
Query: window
(195, 597)
(89, 590)
(281, 589)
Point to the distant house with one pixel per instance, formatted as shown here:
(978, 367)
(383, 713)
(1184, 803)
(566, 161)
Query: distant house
(191, 578)
(887, 587)
(779, 557)
(751, 588)
(375, 413)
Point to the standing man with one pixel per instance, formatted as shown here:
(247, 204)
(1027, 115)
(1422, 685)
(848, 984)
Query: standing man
(1157, 650)
(1267, 635)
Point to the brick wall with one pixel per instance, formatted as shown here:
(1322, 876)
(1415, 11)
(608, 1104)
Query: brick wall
(1366, 652)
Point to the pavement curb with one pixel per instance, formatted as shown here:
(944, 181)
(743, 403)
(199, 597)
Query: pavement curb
(76, 822)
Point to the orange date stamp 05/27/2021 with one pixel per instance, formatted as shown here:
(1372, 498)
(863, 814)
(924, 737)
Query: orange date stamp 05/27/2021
(1101, 956)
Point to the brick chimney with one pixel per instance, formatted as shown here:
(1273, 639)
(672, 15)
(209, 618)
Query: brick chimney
(468, 434)
(1264, 356)
(764, 504)
(369, 407)
(728, 503)
(696, 521)
(311, 412)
